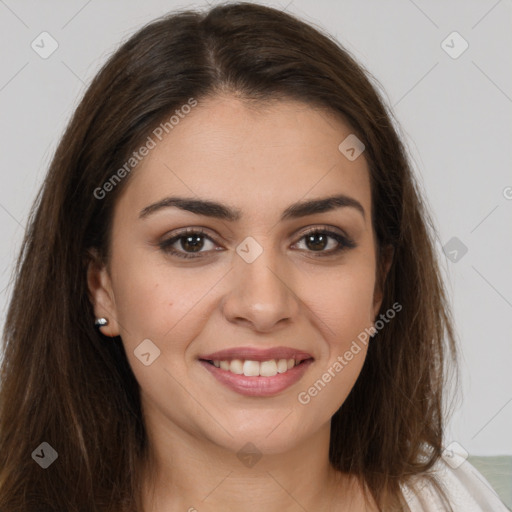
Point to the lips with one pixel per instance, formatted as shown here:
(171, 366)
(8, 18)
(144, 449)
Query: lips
(257, 372)
(256, 354)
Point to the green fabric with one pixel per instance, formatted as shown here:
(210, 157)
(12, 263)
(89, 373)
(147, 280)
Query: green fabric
(498, 471)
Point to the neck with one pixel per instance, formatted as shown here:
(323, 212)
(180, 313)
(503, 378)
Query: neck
(191, 473)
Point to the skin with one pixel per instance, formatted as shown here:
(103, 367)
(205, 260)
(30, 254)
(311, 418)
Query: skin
(259, 160)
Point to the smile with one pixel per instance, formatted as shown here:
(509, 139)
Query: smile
(257, 379)
(251, 368)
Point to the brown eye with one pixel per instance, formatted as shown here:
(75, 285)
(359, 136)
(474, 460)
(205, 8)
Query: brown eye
(317, 240)
(193, 243)
(185, 244)
(190, 243)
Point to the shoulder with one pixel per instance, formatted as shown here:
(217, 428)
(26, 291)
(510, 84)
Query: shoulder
(465, 487)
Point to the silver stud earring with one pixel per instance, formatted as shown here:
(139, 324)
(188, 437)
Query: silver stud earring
(100, 322)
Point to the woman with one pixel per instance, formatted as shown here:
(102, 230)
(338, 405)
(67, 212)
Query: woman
(228, 296)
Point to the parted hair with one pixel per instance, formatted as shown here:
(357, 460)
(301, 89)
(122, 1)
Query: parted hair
(64, 383)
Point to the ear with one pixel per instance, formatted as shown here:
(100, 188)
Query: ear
(383, 265)
(101, 293)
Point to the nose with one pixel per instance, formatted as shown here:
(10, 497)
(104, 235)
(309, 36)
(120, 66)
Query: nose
(262, 294)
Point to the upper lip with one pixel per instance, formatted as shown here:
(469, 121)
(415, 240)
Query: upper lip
(257, 354)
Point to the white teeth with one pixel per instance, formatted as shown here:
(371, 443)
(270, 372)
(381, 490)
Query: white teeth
(256, 368)
(237, 366)
(251, 368)
(282, 365)
(268, 368)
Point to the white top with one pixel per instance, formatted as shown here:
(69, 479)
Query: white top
(466, 488)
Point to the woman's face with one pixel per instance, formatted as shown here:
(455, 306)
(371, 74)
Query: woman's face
(251, 284)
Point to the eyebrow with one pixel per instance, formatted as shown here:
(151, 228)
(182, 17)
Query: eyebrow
(217, 210)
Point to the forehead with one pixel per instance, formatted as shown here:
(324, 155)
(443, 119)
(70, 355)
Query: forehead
(257, 158)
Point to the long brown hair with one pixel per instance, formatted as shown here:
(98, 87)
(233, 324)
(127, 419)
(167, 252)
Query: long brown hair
(65, 384)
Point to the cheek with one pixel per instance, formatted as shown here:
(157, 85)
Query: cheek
(164, 306)
(342, 306)
(328, 389)
(342, 303)
(160, 303)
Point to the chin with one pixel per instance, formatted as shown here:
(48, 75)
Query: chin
(272, 434)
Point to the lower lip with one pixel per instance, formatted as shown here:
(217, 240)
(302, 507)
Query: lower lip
(258, 386)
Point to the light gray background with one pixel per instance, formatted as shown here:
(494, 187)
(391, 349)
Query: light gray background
(455, 116)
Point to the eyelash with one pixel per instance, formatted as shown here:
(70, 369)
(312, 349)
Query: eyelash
(344, 242)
